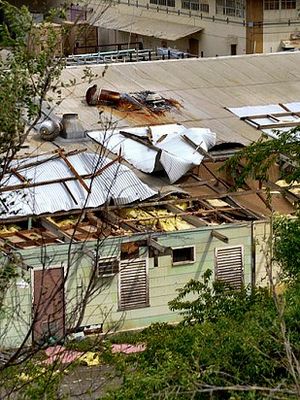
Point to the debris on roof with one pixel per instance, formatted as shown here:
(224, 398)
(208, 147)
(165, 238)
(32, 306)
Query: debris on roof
(144, 107)
(171, 148)
(129, 101)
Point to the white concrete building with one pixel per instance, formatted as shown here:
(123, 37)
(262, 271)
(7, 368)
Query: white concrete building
(200, 27)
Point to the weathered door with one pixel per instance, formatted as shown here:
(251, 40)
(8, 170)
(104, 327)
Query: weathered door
(48, 305)
(194, 46)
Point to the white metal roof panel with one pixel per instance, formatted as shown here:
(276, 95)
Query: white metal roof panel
(169, 151)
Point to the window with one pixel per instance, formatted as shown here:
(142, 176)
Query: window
(183, 255)
(108, 267)
(271, 5)
(288, 4)
(229, 265)
(133, 284)
(194, 5)
(130, 250)
(233, 8)
(166, 3)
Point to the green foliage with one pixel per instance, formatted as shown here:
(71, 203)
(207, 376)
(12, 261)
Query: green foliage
(32, 380)
(255, 160)
(287, 245)
(214, 299)
(26, 75)
(233, 340)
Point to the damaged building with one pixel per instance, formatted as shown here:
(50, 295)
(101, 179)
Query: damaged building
(108, 222)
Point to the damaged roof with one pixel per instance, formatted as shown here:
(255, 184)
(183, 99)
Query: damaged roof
(272, 118)
(67, 181)
(171, 148)
(203, 87)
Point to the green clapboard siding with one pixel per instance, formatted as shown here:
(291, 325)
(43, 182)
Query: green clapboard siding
(102, 307)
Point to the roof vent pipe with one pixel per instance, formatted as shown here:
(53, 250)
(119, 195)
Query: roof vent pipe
(72, 127)
(49, 129)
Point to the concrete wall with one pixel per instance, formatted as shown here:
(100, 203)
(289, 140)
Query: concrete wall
(279, 24)
(216, 36)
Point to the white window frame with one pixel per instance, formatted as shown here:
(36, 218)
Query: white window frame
(175, 263)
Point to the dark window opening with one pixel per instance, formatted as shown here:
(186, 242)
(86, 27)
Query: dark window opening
(183, 255)
(233, 49)
(130, 250)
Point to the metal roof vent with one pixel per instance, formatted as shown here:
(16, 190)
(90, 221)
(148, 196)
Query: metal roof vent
(49, 129)
(72, 127)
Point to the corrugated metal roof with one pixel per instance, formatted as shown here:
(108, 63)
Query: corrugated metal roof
(204, 87)
(169, 151)
(114, 19)
(115, 183)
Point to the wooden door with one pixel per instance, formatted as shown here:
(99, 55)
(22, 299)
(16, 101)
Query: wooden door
(194, 46)
(48, 305)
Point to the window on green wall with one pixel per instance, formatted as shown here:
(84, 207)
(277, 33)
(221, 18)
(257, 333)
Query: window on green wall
(183, 255)
(108, 266)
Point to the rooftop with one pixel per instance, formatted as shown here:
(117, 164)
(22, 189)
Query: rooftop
(197, 93)
(202, 89)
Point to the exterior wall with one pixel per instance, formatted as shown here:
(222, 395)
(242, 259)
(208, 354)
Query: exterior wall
(279, 25)
(164, 279)
(262, 240)
(218, 31)
(254, 28)
(15, 316)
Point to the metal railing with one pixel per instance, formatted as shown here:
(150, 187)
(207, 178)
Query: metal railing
(128, 55)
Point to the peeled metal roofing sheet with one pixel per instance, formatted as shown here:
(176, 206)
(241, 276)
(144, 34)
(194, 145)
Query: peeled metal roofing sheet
(116, 183)
(172, 154)
(112, 19)
(256, 111)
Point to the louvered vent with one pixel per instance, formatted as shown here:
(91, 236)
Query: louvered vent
(108, 267)
(229, 266)
(133, 284)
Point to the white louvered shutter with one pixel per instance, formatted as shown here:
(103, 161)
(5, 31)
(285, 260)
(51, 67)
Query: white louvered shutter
(133, 284)
(229, 266)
